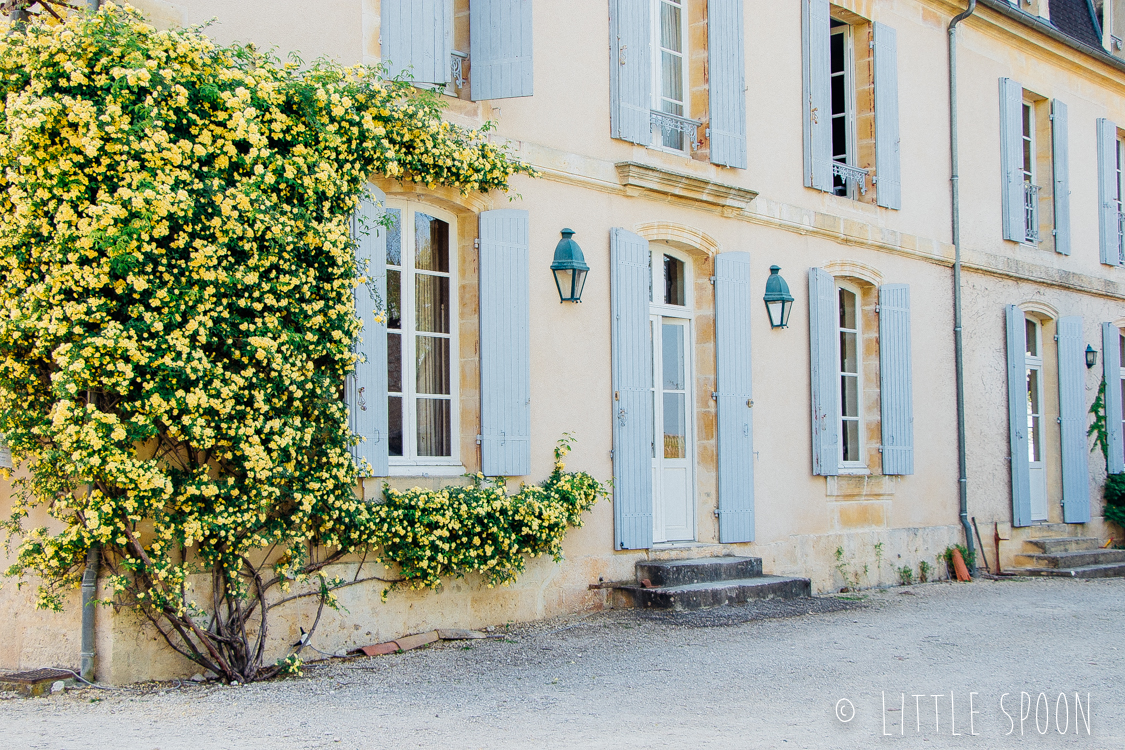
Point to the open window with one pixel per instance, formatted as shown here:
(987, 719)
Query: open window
(851, 127)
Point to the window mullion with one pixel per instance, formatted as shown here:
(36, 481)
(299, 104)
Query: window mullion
(410, 336)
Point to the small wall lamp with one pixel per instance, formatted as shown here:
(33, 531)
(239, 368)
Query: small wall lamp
(1091, 356)
(569, 267)
(779, 302)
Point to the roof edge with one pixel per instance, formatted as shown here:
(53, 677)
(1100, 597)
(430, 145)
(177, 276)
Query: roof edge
(1005, 9)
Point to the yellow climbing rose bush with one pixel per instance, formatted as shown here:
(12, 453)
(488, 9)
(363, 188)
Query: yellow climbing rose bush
(177, 278)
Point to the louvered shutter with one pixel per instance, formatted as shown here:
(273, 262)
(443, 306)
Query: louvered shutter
(367, 387)
(416, 37)
(500, 48)
(896, 390)
(505, 344)
(632, 390)
(888, 171)
(630, 70)
(816, 44)
(1060, 165)
(824, 361)
(1072, 416)
(1011, 159)
(1109, 228)
(1111, 364)
(1017, 416)
(726, 77)
(733, 297)
(5, 455)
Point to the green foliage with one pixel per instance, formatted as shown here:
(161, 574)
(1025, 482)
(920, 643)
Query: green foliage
(1098, 426)
(1114, 491)
(906, 575)
(924, 570)
(177, 280)
(436, 534)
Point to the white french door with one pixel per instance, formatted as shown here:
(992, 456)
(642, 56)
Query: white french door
(1036, 464)
(673, 444)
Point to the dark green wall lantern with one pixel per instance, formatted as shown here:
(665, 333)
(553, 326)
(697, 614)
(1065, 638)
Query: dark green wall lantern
(1091, 356)
(569, 267)
(779, 302)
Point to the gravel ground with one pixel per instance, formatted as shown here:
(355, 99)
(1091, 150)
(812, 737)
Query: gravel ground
(768, 675)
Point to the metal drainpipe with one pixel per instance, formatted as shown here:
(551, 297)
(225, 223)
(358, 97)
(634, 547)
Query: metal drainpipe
(89, 591)
(959, 351)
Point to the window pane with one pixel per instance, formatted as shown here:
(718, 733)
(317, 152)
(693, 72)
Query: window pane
(847, 310)
(394, 302)
(394, 238)
(434, 427)
(1031, 333)
(674, 292)
(851, 440)
(839, 93)
(849, 401)
(675, 425)
(849, 356)
(1121, 348)
(431, 243)
(431, 303)
(840, 139)
(432, 361)
(394, 362)
(672, 345)
(395, 426)
(672, 78)
(1033, 415)
(670, 32)
(837, 53)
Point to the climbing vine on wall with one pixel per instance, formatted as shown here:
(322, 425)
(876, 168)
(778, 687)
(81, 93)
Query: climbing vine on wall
(176, 324)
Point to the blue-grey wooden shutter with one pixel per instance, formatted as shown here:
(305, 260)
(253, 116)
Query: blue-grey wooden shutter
(816, 45)
(630, 70)
(1060, 166)
(824, 362)
(632, 390)
(1017, 416)
(1109, 228)
(5, 455)
(1011, 159)
(726, 80)
(500, 48)
(367, 387)
(416, 36)
(1111, 370)
(888, 171)
(733, 298)
(1072, 417)
(896, 390)
(505, 344)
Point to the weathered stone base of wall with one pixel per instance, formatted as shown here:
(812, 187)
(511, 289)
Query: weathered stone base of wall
(131, 650)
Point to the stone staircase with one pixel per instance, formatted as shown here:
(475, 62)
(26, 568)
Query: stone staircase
(1069, 557)
(705, 582)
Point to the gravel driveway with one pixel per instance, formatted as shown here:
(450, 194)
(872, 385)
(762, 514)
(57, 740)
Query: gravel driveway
(772, 675)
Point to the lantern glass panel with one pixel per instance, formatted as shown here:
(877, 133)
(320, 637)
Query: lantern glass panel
(579, 284)
(775, 311)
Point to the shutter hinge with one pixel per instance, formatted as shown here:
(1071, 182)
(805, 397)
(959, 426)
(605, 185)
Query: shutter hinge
(617, 395)
(1056, 337)
(714, 395)
(707, 132)
(712, 280)
(480, 439)
(1058, 419)
(871, 44)
(476, 244)
(717, 512)
(876, 309)
(611, 454)
(1054, 233)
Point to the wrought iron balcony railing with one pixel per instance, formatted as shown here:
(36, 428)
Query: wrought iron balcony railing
(669, 122)
(851, 175)
(1031, 212)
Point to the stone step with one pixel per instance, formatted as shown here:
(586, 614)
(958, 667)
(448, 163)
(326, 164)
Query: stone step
(698, 570)
(714, 594)
(1076, 559)
(1047, 530)
(1054, 545)
(1108, 570)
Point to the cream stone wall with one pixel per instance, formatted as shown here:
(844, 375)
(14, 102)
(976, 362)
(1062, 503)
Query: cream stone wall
(877, 522)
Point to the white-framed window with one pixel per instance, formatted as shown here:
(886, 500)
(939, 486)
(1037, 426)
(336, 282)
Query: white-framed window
(1033, 360)
(669, 71)
(850, 374)
(422, 371)
(1119, 198)
(843, 104)
(1028, 153)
